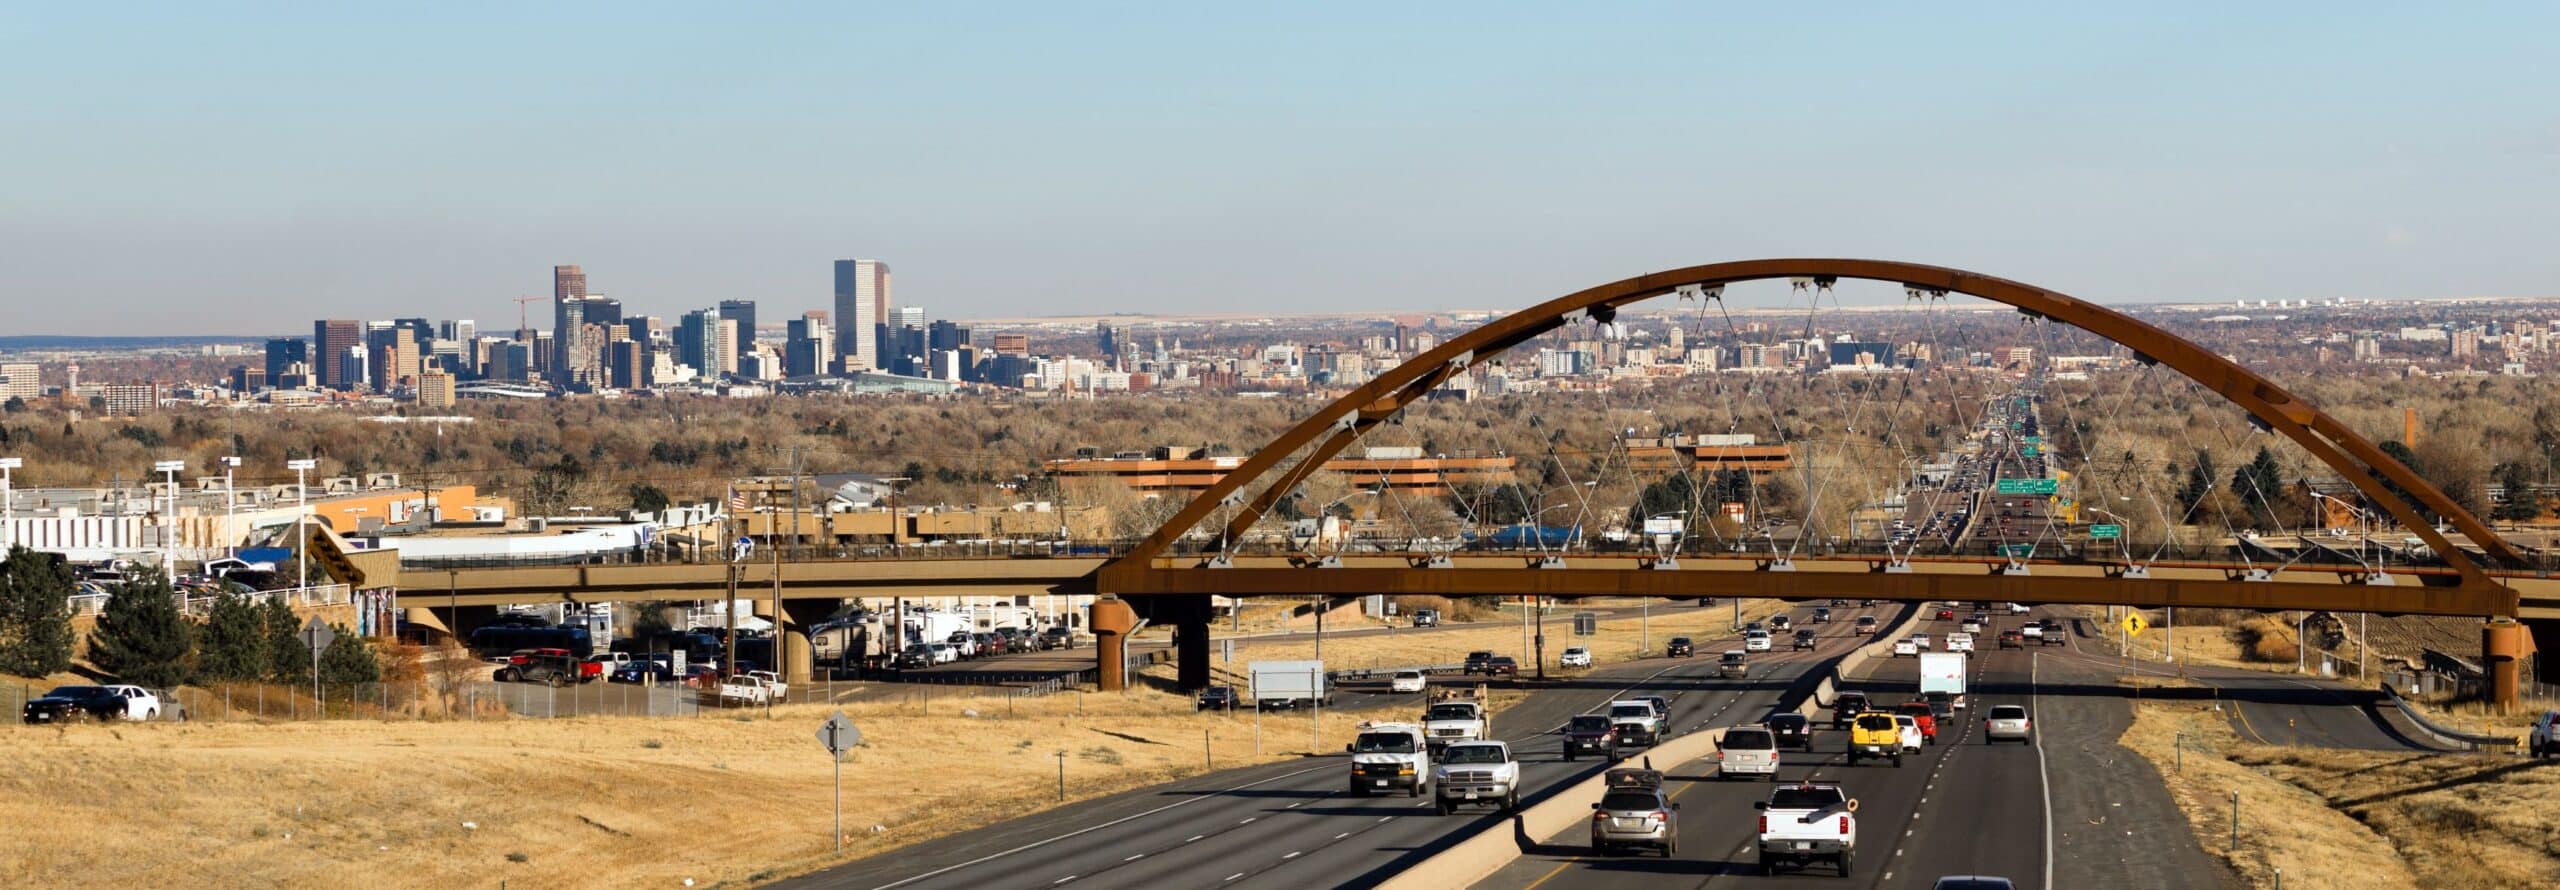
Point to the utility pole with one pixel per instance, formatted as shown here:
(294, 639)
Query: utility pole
(229, 503)
(302, 517)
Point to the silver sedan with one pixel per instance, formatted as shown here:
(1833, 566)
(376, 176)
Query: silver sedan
(2007, 723)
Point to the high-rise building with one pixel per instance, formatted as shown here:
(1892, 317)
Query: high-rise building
(603, 310)
(460, 330)
(568, 318)
(744, 313)
(724, 347)
(808, 348)
(21, 380)
(862, 304)
(631, 365)
(945, 335)
(698, 342)
(330, 340)
(282, 354)
(906, 316)
(1013, 344)
(132, 398)
(392, 352)
(568, 282)
(435, 390)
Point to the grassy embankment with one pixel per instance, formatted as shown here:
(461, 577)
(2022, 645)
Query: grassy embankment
(2338, 818)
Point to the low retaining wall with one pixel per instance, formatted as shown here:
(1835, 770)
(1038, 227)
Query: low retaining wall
(1478, 857)
(2449, 734)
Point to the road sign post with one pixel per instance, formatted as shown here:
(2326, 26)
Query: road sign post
(316, 636)
(839, 735)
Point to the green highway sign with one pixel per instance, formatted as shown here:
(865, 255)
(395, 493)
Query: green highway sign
(2032, 440)
(2032, 451)
(2028, 486)
(2106, 531)
(2017, 551)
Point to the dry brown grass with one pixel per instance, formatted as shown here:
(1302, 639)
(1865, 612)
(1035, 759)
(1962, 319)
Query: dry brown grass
(595, 801)
(2248, 644)
(2282, 826)
(2459, 820)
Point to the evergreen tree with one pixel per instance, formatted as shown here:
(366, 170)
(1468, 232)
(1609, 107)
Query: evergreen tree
(287, 660)
(35, 613)
(233, 646)
(2199, 483)
(349, 659)
(141, 636)
(2258, 486)
(2522, 504)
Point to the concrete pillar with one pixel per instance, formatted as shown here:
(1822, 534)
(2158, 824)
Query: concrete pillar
(2544, 634)
(791, 636)
(1191, 642)
(2503, 644)
(1111, 622)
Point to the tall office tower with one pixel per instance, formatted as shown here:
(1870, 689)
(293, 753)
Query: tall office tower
(421, 331)
(460, 330)
(630, 365)
(644, 329)
(808, 348)
(568, 319)
(724, 346)
(698, 341)
(392, 353)
(862, 302)
(353, 367)
(568, 282)
(744, 312)
(329, 341)
(906, 316)
(945, 335)
(603, 310)
(282, 354)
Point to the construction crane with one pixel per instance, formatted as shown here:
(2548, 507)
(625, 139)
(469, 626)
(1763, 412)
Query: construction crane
(521, 322)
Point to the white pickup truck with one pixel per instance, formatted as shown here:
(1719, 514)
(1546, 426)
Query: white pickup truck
(745, 689)
(1807, 823)
(1389, 755)
(1451, 722)
(1471, 773)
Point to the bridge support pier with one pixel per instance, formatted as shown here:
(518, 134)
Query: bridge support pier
(1112, 622)
(1189, 616)
(2503, 645)
(792, 636)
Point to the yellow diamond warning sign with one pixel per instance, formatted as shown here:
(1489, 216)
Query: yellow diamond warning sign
(2134, 625)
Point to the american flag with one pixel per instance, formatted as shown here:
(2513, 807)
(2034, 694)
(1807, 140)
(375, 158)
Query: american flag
(737, 500)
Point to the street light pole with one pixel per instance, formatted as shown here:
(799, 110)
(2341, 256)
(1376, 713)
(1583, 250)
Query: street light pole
(229, 503)
(168, 470)
(9, 500)
(302, 518)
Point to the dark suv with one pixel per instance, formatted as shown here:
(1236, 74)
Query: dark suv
(1217, 698)
(1589, 734)
(1476, 661)
(1792, 730)
(1680, 648)
(1804, 639)
(1847, 705)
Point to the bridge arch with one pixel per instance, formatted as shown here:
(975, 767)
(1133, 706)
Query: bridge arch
(1329, 431)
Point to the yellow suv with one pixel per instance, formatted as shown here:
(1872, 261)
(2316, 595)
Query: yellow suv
(1875, 734)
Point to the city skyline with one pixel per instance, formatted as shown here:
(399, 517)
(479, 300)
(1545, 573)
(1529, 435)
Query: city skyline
(1038, 161)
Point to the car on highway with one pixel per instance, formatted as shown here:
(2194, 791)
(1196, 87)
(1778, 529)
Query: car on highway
(1633, 812)
(1057, 638)
(1972, 882)
(2007, 723)
(1821, 616)
(2013, 638)
(1456, 720)
(1680, 647)
(1747, 751)
(1912, 740)
(1426, 618)
(1389, 755)
(1804, 639)
(1734, 664)
(1946, 614)
(2017, 608)
(1408, 681)
(1959, 642)
(1661, 706)
(1793, 730)
(1475, 773)
(1756, 641)
(1780, 623)
(1846, 706)
(1215, 698)
(1574, 657)
(1866, 624)
(1970, 626)
(1589, 734)
(1808, 823)
(1906, 647)
(1877, 734)
(1477, 660)
(1755, 627)
(1921, 640)
(66, 703)
(1635, 722)
(2054, 633)
(1502, 666)
(1922, 714)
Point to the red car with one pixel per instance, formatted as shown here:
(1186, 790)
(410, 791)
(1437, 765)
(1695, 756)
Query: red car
(1919, 713)
(1946, 614)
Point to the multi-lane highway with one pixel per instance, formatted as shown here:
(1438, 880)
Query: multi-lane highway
(1293, 824)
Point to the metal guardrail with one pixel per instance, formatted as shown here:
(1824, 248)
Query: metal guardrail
(1373, 673)
(2474, 740)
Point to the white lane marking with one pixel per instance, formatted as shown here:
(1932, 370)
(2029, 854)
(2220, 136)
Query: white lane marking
(1293, 854)
(1193, 838)
(1135, 858)
(1235, 876)
(1090, 828)
(2043, 778)
(1297, 805)
(1342, 835)
(1062, 880)
(1248, 820)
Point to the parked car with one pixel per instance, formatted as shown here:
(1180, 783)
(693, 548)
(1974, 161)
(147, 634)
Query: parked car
(1574, 657)
(66, 703)
(2009, 723)
(1680, 647)
(1216, 698)
(1633, 812)
(943, 653)
(1408, 681)
(642, 672)
(915, 656)
(1057, 638)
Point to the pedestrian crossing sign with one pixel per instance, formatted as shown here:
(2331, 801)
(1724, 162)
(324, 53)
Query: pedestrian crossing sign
(2134, 625)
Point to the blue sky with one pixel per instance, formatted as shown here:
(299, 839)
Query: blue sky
(243, 169)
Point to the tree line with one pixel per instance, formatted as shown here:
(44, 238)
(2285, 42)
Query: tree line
(142, 637)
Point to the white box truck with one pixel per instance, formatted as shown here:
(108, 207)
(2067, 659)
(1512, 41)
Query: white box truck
(1289, 684)
(1943, 672)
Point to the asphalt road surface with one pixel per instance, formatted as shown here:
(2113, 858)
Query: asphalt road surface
(1294, 825)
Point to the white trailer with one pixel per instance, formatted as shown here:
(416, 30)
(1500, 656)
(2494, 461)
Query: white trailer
(1289, 684)
(1943, 672)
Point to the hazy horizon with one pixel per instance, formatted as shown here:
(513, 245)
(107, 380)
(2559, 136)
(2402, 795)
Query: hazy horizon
(242, 172)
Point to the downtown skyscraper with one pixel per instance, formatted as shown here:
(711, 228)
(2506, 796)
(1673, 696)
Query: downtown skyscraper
(862, 306)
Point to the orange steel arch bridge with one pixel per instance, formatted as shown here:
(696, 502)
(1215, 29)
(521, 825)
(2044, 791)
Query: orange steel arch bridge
(1169, 577)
